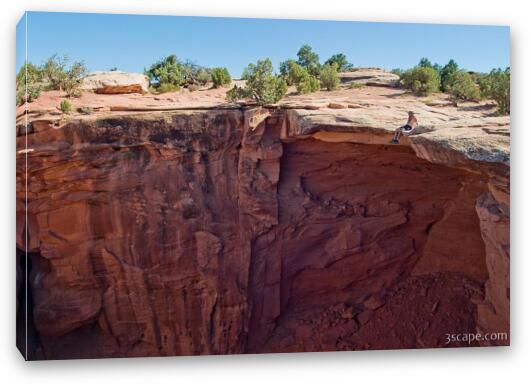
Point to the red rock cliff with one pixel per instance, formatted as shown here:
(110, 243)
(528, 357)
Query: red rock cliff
(259, 230)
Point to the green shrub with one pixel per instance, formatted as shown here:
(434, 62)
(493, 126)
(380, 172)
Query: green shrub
(308, 84)
(54, 71)
(74, 78)
(421, 80)
(329, 77)
(167, 71)
(297, 73)
(65, 106)
(59, 76)
(237, 93)
(170, 74)
(425, 63)
(28, 83)
(446, 73)
(31, 95)
(476, 76)
(497, 86)
(461, 86)
(341, 61)
(284, 69)
(220, 77)
(309, 60)
(194, 74)
(165, 87)
(261, 85)
(203, 76)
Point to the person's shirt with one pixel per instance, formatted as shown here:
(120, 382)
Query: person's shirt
(412, 122)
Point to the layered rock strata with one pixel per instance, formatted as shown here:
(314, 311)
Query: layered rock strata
(258, 230)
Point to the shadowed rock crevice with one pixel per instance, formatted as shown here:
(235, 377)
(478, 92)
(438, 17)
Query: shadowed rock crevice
(28, 338)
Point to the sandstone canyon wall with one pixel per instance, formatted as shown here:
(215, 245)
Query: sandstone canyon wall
(244, 231)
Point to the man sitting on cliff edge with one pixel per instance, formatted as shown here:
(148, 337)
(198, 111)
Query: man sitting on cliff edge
(411, 124)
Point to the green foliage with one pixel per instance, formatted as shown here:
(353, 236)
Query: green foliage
(220, 77)
(55, 74)
(397, 71)
(194, 74)
(170, 74)
(329, 77)
(341, 61)
(54, 71)
(203, 76)
(59, 76)
(261, 85)
(497, 86)
(446, 73)
(237, 93)
(113, 69)
(31, 95)
(421, 80)
(476, 76)
(284, 69)
(74, 78)
(461, 86)
(297, 75)
(425, 63)
(308, 59)
(65, 106)
(165, 87)
(308, 84)
(28, 83)
(167, 72)
(29, 72)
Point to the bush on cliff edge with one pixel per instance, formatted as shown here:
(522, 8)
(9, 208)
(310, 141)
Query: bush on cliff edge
(329, 76)
(461, 87)
(261, 85)
(28, 83)
(220, 77)
(166, 74)
(497, 86)
(59, 76)
(421, 80)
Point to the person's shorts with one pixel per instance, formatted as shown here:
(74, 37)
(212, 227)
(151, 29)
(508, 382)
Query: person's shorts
(407, 128)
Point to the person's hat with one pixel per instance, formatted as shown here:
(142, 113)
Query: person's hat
(411, 113)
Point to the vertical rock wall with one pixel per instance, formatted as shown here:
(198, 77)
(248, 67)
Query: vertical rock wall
(212, 232)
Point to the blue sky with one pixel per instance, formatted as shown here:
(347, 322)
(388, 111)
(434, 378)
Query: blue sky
(133, 42)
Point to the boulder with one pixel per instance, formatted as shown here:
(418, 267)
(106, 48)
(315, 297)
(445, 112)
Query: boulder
(115, 82)
(375, 77)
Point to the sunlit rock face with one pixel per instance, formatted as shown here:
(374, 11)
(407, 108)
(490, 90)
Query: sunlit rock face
(254, 230)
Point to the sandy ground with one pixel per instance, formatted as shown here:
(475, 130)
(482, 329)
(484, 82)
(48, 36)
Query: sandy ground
(386, 100)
